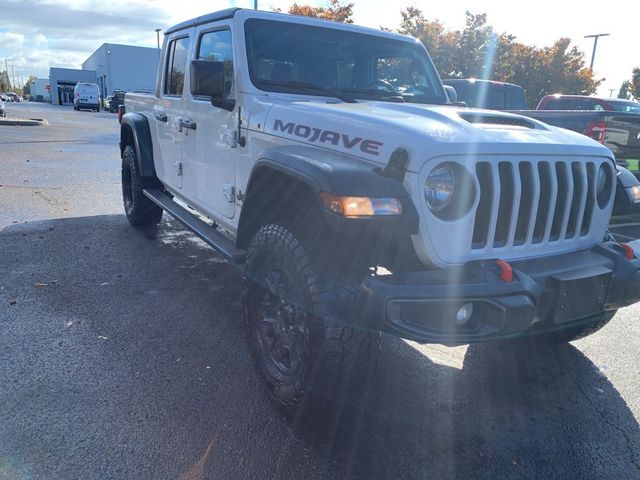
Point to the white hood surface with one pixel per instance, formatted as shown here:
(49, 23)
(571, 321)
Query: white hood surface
(373, 130)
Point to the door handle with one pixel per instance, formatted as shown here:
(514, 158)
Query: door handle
(162, 117)
(187, 124)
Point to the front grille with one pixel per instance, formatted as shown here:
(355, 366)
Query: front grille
(533, 202)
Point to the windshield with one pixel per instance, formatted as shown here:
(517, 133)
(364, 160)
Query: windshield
(629, 107)
(287, 57)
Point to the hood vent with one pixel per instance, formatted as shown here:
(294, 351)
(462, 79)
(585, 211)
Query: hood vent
(497, 120)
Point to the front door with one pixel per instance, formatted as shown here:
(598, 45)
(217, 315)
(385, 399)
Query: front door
(168, 111)
(209, 145)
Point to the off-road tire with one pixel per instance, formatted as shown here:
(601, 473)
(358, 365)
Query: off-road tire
(594, 324)
(139, 209)
(334, 355)
(568, 333)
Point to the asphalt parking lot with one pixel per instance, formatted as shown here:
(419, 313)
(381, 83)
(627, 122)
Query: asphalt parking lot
(122, 356)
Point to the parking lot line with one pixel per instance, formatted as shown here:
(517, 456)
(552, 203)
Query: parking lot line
(625, 237)
(631, 224)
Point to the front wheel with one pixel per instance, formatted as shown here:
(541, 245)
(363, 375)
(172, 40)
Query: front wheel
(585, 329)
(298, 344)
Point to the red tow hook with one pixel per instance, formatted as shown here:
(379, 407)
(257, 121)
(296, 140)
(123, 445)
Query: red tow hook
(506, 272)
(628, 251)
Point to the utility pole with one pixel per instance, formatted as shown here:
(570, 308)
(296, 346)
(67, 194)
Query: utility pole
(13, 76)
(611, 90)
(6, 70)
(595, 45)
(255, 4)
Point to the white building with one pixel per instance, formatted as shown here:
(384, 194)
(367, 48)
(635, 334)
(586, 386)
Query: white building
(123, 67)
(38, 89)
(62, 81)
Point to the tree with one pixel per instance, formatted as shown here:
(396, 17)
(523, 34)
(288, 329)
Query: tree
(335, 12)
(479, 51)
(635, 83)
(624, 90)
(5, 84)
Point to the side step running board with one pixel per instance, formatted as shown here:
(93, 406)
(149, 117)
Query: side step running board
(206, 232)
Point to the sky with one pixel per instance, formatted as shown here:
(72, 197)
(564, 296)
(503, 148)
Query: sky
(38, 34)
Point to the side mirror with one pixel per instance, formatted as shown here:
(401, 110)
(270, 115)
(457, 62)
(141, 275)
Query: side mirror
(207, 80)
(451, 93)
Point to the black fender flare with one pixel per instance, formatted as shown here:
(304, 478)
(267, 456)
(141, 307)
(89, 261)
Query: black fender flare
(134, 130)
(325, 171)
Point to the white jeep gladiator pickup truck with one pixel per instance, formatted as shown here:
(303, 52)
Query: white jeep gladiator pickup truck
(332, 167)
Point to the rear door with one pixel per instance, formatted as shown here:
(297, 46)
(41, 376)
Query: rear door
(210, 140)
(167, 112)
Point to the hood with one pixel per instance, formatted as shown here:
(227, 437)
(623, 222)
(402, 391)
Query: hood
(373, 130)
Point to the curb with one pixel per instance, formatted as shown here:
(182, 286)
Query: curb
(23, 122)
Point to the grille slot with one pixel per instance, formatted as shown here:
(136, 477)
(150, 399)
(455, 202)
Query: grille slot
(533, 202)
(591, 195)
(483, 213)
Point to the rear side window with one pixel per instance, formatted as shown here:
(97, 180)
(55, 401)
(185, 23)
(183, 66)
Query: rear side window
(561, 104)
(176, 66)
(216, 47)
(587, 105)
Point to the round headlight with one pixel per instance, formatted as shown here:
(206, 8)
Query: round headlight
(439, 188)
(603, 185)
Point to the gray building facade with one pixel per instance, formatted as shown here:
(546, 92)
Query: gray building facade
(63, 80)
(123, 67)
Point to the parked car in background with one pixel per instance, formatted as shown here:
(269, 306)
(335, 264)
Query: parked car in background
(117, 99)
(618, 131)
(583, 102)
(86, 96)
(488, 94)
(13, 97)
(107, 102)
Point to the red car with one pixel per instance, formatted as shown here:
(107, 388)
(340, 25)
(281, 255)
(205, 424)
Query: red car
(583, 102)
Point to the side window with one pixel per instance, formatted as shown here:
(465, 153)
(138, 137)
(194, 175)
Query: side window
(176, 66)
(562, 104)
(216, 47)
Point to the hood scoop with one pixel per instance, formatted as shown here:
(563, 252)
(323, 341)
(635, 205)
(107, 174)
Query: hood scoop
(488, 120)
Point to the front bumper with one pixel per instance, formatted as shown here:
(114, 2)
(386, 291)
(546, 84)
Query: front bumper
(549, 293)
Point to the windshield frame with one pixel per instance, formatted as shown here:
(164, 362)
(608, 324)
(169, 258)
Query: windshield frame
(416, 48)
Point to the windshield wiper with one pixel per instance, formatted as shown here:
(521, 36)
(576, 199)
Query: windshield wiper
(377, 94)
(307, 87)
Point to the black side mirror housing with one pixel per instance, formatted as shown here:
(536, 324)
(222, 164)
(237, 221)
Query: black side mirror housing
(207, 80)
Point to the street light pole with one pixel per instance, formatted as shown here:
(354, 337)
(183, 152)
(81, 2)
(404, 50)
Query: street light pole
(595, 45)
(255, 4)
(157, 30)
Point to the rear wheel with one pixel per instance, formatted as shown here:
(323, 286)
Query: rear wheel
(139, 209)
(298, 344)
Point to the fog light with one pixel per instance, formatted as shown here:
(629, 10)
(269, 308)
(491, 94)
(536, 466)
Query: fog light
(463, 315)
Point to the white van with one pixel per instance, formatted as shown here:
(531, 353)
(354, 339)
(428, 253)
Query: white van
(86, 95)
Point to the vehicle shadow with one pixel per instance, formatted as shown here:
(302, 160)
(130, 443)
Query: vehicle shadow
(124, 356)
(511, 411)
